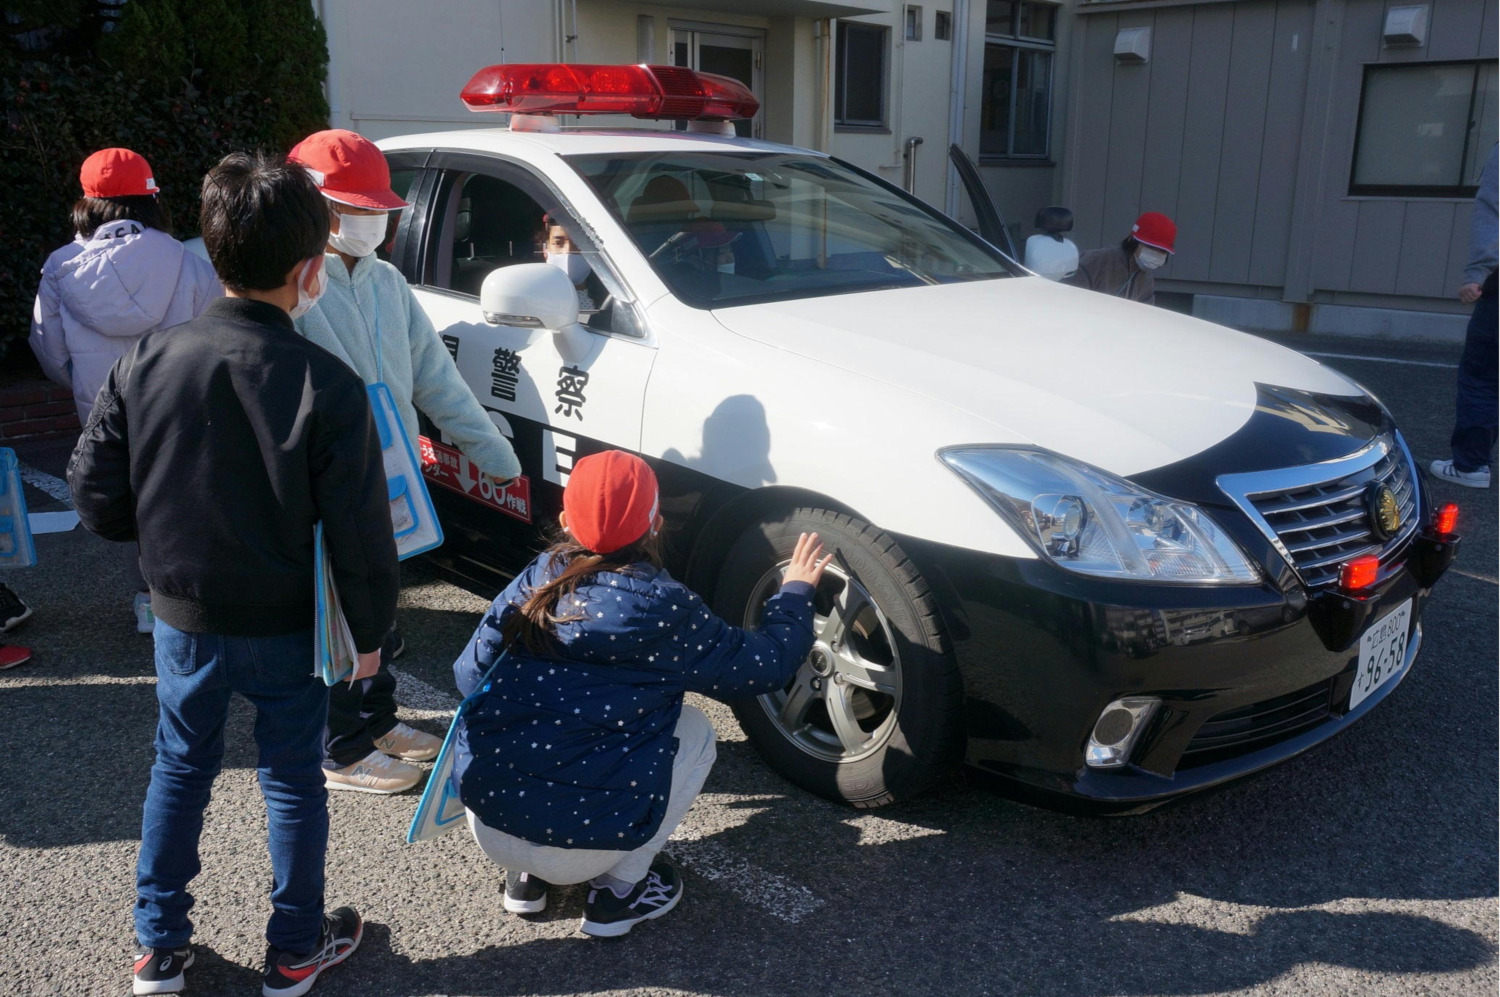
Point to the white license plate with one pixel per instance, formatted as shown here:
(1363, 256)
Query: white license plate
(1382, 650)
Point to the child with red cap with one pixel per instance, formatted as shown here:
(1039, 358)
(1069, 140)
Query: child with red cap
(368, 318)
(580, 758)
(122, 276)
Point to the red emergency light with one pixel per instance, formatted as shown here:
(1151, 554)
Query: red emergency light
(1446, 520)
(1360, 573)
(655, 92)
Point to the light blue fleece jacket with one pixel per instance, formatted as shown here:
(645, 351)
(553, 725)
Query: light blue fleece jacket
(373, 304)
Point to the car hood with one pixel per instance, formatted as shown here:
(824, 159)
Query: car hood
(1125, 386)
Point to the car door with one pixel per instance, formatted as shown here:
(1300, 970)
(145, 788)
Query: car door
(992, 228)
(484, 213)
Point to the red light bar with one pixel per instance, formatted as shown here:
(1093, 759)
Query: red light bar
(1359, 573)
(653, 92)
(1446, 520)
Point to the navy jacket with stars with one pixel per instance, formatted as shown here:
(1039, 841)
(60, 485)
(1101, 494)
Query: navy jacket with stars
(575, 749)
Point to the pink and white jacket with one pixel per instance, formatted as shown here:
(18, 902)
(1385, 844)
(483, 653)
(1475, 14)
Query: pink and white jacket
(99, 296)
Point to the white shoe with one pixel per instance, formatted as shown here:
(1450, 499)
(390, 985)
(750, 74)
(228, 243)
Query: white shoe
(1444, 470)
(374, 773)
(409, 744)
(145, 620)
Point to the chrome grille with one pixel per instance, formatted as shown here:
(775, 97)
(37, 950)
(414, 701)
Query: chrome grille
(1316, 515)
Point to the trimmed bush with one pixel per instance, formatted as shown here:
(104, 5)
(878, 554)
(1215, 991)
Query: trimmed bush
(182, 82)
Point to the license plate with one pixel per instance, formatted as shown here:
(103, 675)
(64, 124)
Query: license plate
(1382, 650)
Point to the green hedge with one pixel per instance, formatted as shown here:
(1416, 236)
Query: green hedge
(183, 82)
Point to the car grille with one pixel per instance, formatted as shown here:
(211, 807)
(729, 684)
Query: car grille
(1260, 724)
(1322, 524)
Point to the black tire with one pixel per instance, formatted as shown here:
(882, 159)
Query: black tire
(910, 713)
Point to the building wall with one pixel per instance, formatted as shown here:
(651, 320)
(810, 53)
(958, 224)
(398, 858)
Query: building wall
(1241, 127)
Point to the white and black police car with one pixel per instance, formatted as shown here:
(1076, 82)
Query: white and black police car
(1105, 553)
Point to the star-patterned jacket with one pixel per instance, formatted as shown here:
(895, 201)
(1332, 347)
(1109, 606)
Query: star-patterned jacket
(575, 749)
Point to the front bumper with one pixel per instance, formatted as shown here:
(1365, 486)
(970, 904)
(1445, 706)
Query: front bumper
(1044, 651)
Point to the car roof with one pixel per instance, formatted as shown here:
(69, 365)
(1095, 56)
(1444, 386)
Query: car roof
(582, 141)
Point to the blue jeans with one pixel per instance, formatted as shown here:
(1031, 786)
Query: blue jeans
(1474, 424)
(195, 676)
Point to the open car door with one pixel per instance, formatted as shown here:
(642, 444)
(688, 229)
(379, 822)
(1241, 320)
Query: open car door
(991, 226)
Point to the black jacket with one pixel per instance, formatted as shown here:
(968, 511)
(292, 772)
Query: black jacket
(218, 444)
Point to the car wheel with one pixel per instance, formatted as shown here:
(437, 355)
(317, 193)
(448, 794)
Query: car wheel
(874, 714)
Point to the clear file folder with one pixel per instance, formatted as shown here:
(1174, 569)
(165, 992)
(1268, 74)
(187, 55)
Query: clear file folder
(413, 519)
(335, 651)
(440, 810)
(17, 550)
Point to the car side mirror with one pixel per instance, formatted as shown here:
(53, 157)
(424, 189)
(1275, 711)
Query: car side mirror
(535, 296)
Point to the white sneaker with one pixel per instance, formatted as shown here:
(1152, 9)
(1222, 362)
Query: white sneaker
(410, 744)
(1444, 470)
(374, 773)
(145, 620)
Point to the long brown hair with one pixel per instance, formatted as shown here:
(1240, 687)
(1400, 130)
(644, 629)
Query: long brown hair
(533, 626)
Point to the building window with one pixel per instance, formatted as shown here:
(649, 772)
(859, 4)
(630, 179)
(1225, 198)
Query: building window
(913, 23)
(1425, 129)
(859, 75)
(1020, 42)
(942, 27)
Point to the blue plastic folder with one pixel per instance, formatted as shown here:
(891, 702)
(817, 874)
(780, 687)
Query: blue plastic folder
(413, 519)
(334, 649)
(440, 810)
(17, 550)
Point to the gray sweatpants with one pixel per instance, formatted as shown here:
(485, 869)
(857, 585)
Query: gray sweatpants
(695, 756)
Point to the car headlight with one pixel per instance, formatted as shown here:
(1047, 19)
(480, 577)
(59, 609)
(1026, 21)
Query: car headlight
(1096, 523)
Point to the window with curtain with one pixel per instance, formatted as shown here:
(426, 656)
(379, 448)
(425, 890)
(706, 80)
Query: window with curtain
(1425, 129)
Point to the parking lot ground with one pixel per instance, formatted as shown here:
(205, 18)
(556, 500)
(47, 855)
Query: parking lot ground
(1365, 866)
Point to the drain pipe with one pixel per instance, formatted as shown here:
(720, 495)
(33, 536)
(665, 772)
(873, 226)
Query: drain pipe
(957, 95)
(909, 157)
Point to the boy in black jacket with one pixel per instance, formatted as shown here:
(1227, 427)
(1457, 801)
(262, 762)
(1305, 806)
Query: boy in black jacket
(218, 444)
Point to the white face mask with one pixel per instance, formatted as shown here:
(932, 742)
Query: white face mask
(1149, 257)
(305, 299)
(572, 264)
(358, 235)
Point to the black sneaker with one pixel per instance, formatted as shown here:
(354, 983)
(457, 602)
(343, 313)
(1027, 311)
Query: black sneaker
(291, 974)
(607, 916)
(159, 971)
(13, 613)
(525, 893)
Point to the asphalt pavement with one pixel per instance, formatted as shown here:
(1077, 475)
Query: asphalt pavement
(1365, 866)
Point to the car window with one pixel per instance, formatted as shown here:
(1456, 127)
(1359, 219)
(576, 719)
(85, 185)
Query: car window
(401, 182)
(483, 223)
(733, 228)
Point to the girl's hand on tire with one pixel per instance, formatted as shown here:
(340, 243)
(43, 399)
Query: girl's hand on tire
(805, 566)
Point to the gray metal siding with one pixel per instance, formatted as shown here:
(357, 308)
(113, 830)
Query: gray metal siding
(1230, 111)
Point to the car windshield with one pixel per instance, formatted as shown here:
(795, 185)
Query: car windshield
(735, 228)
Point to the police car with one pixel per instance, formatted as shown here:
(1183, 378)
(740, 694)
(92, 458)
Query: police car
(1103, 552)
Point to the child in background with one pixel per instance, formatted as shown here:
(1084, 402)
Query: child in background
(122, 276)
(581, 758)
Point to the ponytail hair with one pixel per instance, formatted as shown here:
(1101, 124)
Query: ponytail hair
(533, 624)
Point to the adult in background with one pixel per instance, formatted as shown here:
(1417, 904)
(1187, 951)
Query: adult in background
(122, 276)
(1125, 270)
(1475, 425)
(370, 320)
(219, 446)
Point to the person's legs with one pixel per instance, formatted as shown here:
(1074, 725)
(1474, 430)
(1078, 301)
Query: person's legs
(696, 751)
(275, 673)
(192, 694)
(559, 866)
(358, 715)
(1474, 426)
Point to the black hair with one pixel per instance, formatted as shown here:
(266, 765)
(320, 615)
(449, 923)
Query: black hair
(262, 215)
(1128, 244)
(91, 212)
(1054, 220)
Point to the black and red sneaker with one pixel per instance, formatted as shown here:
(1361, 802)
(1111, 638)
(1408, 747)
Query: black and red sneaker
(159, 971)
(291, 974)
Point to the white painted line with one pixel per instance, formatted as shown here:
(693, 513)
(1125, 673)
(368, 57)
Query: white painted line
(776, 895)
(1409, 363)
(56, 487)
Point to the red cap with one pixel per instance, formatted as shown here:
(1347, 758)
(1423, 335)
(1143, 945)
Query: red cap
(348, 169)
(116, 173)
(611, 500)
(1155, 229)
